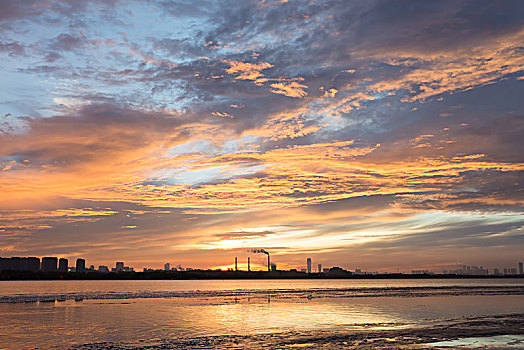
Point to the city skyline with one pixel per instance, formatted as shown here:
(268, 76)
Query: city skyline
(386, 135)
(55, 264)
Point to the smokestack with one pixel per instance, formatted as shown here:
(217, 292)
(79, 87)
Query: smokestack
(248, 264)
(265, 252)
(236, 266)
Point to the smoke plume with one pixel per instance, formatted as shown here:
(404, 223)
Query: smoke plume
(258, 251)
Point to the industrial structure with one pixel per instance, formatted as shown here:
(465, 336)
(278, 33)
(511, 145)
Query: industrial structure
(264, 252)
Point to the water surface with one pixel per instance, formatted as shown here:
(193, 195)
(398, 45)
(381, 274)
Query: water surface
(238, 307)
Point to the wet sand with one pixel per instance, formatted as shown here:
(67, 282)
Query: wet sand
(371, 336)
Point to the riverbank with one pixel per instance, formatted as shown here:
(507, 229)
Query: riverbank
(224, 275)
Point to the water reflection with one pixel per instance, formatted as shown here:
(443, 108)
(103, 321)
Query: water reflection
(65, 323)
(55, 287)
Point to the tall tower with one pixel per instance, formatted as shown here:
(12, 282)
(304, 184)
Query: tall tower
(248, 264)
(49, 264)
(308, 265)
(80, 265)
(236, 263)
(319, 268)
(63, 264)
(167, 267)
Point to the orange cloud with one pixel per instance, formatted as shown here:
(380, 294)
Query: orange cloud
(245, 70)
(221, 114)
(291, 89)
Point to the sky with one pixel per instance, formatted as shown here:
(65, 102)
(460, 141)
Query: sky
(381, 135)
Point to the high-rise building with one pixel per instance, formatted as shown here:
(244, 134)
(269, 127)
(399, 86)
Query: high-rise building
(80, 265)
(308, 265)
(521, 271)
(63, 265)
(167, 267)
(49, 264)
(20, 264)
(119, 266)
(17, 263)
(103, 268)
(319, 268)
(32, 264)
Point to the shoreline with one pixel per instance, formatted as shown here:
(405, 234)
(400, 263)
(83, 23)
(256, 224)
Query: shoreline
(227, 275)
(275, 294)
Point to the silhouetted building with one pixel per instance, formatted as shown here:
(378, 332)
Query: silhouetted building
(521, 271)
(166, 267)
(337, 271)
(236, 264)
(496, 272)
(103, 269)
(308, 265)
(468, 270)
(319, 270)
(17, 264)
(273, 267)
(49, 264)
(513, 271)
(32, 264)
(119, 266)
(63, 265)
(20, 264)
(80, 265)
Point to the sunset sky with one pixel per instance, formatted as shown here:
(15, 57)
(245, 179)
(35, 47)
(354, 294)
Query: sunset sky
(379, 135)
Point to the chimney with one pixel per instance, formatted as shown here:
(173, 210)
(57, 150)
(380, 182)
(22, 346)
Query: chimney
(268, 263)
(236, 266)
(248, 264)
